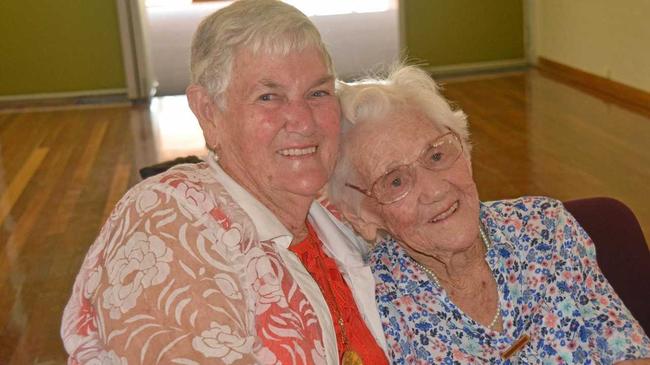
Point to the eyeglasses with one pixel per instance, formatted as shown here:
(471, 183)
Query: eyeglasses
(395, 185)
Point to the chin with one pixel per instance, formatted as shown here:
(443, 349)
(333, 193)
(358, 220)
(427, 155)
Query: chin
(305, 186)
(458, 233)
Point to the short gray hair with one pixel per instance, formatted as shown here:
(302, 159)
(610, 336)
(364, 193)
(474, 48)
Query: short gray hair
(369, 99)
(258, 25)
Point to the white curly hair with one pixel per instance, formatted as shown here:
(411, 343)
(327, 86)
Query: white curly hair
(372, 98)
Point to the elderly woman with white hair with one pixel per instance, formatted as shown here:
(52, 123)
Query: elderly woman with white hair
(459, 281)
(231, 261)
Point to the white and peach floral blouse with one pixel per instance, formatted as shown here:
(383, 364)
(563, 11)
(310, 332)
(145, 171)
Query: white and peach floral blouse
(183, 272)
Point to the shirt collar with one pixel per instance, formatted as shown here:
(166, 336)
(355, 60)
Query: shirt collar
(267, 225)
(339, 241)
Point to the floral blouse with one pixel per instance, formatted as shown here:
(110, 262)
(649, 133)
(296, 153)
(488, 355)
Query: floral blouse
(551, 290)
(190, 269)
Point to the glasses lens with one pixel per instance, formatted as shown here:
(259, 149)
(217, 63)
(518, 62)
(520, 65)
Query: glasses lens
(442, 154)
(394, 185)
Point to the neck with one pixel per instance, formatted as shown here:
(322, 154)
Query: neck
(455, 268)
(290, 209)
(292, 213)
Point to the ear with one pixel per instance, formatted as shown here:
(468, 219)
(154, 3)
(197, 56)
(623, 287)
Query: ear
(366, 223)
(206, 111)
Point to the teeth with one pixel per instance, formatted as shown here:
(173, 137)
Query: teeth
(297, 151)
(446, 213)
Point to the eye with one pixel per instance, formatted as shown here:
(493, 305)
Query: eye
(396, 182)
(437, 156)
(320, 93)
(267, 97)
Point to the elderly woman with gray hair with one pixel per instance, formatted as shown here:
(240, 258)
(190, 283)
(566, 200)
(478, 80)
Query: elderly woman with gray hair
(231, 261)
(459, 281)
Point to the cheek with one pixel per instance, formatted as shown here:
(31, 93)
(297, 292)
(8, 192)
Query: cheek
(470, 190)
(400, 219)
(461, 177)
(259, 133)
(330, 129)
(328, 118)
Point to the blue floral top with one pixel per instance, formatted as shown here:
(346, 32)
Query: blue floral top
(550, 288)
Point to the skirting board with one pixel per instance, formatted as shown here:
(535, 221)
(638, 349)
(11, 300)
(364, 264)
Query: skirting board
(476, 67)
(64, 95)
(597, 85)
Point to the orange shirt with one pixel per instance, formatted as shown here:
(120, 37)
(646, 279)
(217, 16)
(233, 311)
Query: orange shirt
(339, 300)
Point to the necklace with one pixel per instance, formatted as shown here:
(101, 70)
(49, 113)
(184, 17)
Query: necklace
(432, 276)
(350, 357)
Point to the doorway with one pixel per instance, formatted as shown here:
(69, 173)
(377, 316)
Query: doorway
(360, 35)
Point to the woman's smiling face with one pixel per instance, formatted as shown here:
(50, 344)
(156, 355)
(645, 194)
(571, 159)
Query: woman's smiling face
(439, 216)
(278, 135)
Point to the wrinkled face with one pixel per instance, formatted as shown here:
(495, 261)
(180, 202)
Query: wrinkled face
(279, 132)
(440, 214)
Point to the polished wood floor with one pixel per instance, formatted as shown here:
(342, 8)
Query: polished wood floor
(62, 170)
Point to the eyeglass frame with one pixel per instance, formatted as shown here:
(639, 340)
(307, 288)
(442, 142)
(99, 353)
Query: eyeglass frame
(370, 194)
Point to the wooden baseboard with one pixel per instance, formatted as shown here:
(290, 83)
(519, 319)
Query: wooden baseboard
(63, 100)
(477, 67)
(65, 95)
(597, 85)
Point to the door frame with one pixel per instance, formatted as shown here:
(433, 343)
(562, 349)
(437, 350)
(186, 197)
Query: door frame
(138, 71)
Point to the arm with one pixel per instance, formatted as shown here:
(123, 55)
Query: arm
(164, 287)
(616, 334)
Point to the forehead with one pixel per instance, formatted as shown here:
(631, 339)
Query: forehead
(394, 139)
(287, 70)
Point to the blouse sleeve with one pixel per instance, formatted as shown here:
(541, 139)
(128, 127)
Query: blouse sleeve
(161, 284)
(609, 325)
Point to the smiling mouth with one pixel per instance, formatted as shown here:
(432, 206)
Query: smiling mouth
(297, 152)
(444, 215)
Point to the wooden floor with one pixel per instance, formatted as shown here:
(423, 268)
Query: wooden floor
(61, 172)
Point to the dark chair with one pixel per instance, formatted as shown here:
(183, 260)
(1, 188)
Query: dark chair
(621, 250)
(156, 169)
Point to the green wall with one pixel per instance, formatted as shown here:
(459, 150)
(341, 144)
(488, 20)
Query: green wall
(448, 32)
(49, 46)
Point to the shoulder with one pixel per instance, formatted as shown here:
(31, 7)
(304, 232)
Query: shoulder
(384, 251)
(192, 188)
(516, 214)
(184, 203)
(179, 179)
(523, 207)
(385, 259)
(526, 222)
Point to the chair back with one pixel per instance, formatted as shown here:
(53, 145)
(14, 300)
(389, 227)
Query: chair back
(621, 250)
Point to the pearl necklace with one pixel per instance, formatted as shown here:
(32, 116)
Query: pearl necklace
(434, 278)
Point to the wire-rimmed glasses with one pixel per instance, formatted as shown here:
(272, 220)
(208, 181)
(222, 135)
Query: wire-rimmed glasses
(395, 185)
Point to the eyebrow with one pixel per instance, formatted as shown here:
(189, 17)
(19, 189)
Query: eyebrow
(323, 80)
(269, 83)
(274, 85)
(390, 167)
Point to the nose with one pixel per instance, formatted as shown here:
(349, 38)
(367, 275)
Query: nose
(299, 118)
(431, 186)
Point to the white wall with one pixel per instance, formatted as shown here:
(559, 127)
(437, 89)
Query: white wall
(607, 38)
